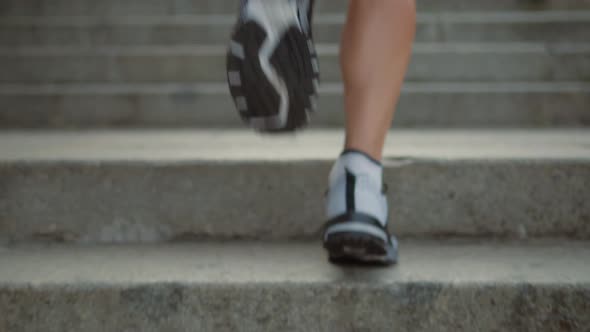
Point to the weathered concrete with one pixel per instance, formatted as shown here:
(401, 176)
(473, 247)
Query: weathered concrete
(539, 286)
(538, 26)
(475, 104)
(430, 62)
(183, 7)
(154, 186)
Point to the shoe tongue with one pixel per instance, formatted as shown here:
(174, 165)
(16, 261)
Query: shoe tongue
(361, 164)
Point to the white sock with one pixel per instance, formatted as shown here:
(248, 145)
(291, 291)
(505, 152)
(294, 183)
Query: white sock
(356, 185)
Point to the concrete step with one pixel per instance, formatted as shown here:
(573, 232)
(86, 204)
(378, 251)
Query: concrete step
(183, 7)
(438, 286)
(538, 26)
(474, 104)
(146, 186)
(205, 63)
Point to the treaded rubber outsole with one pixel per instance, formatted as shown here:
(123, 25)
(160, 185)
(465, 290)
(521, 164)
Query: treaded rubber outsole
(293, 59)
(359, 248)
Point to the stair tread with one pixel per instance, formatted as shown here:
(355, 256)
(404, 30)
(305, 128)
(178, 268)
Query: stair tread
(330, 88)
(323, 49)
(152, 7)
(447, 262)
(244, 145)
(479, 17)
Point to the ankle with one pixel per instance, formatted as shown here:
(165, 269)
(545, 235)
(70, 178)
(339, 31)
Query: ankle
(375, 154)
(374, 160)
(359, 164)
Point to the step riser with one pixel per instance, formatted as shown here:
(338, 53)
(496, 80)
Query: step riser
(192, 109)
(452, 65)
(158, 7)
(170, 35)
(147, 202)
(412, 306)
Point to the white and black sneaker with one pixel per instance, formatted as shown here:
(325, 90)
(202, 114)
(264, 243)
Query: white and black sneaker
(356, 208)
(272, 66)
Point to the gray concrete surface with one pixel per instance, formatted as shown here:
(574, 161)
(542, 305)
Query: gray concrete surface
(538, 26)
(438, 286)
(156, 186)
(159, 7)
(487, 77)
(455, 105)
(431, 62)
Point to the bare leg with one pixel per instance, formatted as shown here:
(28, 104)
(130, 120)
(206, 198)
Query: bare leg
(375, 52)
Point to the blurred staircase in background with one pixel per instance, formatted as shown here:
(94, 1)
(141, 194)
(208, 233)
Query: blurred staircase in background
(88, 64)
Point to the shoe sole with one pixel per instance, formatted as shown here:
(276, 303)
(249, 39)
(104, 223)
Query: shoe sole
(272, 70)
(359, 247)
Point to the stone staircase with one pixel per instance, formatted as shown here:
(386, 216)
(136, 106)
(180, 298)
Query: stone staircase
(193, 231)
(132, 199)
(66, 64)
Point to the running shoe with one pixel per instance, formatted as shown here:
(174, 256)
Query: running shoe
(272, 65)
(357, 212)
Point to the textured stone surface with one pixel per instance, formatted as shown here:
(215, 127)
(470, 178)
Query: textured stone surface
(539, 286)
(475, 104)
(539, 26)
(152, 186)
(431, 62)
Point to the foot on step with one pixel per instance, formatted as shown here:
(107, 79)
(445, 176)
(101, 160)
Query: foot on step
(357, 212)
